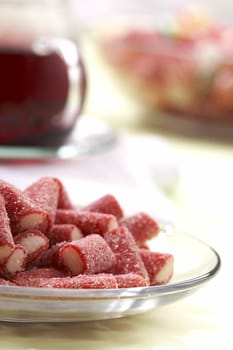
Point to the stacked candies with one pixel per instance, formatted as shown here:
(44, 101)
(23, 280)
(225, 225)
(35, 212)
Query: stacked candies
(45, 241)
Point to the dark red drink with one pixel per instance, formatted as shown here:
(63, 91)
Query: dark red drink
(41, 93)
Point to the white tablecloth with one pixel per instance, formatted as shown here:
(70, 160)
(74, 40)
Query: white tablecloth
(137, 169)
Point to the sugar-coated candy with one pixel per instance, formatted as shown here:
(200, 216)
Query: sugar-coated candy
(128, 258)
(159, 266)
(30, 277)
(96, 281)
(64, 232)
(88, 222)
(64, 200)
(4, 282)
(130, 280)
(51, 257)
(34, 242)
(6, 238)
(88, 255)
(44, 193)
(106, 204)
(22, 212)
(14, 263)
(46, 242)
(142, 226)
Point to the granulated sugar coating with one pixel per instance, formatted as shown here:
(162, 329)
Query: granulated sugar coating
(129, 280)
(44, 193)
(64, 232)
(159, 266)
(127, 254)
(46, 242)
(30, 277)
(92, 252)
(142, 226)
(6, 238)
(107, 204)
(15, 262)
(34, 242)
(100, 281)
(51, 258)
(23, 213)
(64, 201)
(88, 222)
(6, 283)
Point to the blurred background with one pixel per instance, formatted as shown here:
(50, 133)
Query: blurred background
(194, 41)
(161, 72)
(124, 44)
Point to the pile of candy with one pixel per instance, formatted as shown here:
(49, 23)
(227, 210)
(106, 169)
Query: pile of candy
(45, 241)
(183, 66)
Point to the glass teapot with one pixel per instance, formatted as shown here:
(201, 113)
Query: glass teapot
(42, 85)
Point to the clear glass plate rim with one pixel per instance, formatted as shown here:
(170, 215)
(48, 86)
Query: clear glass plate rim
(121, 293)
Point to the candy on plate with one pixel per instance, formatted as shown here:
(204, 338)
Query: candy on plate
(47, 242)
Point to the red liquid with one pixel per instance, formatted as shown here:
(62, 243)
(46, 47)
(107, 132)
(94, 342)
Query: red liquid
(34, 91)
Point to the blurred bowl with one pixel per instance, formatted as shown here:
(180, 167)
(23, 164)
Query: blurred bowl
(179, 65)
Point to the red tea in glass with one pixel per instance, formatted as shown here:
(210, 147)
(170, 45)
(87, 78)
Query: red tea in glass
(42, 88)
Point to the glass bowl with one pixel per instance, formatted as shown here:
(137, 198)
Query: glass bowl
(177, 64)
(196, 263)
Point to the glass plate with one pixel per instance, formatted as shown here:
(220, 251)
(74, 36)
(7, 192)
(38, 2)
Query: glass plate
(195, 264)
(90, 136)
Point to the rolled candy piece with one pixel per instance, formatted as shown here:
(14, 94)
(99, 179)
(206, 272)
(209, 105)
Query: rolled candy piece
(142, 226)
(6, 238)
(51, 258)
(22, 212)
(97, 281)
(128, 258)
(87, 222)
(34, 242)
(14, 263)
(88, 255)
(6, 282)
(30, 277)
(160, 266)
(64, 232)
(130, 280)
(44, 194)
(64, 200)
(107, 204)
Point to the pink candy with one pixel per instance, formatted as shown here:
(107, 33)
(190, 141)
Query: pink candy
(46, 242)
(107, 204)
(159, 266)
(142, 226)
(4, 282)
(14, 263)
(130, 280)
(88, 255)
(30, 277)
(127, 255)
(44, 194)
(6, 238)
(64, 232)
(22, 212)
(51, 258)
(64, 201)
(87, 222)
(34, 242)
(98, 281)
